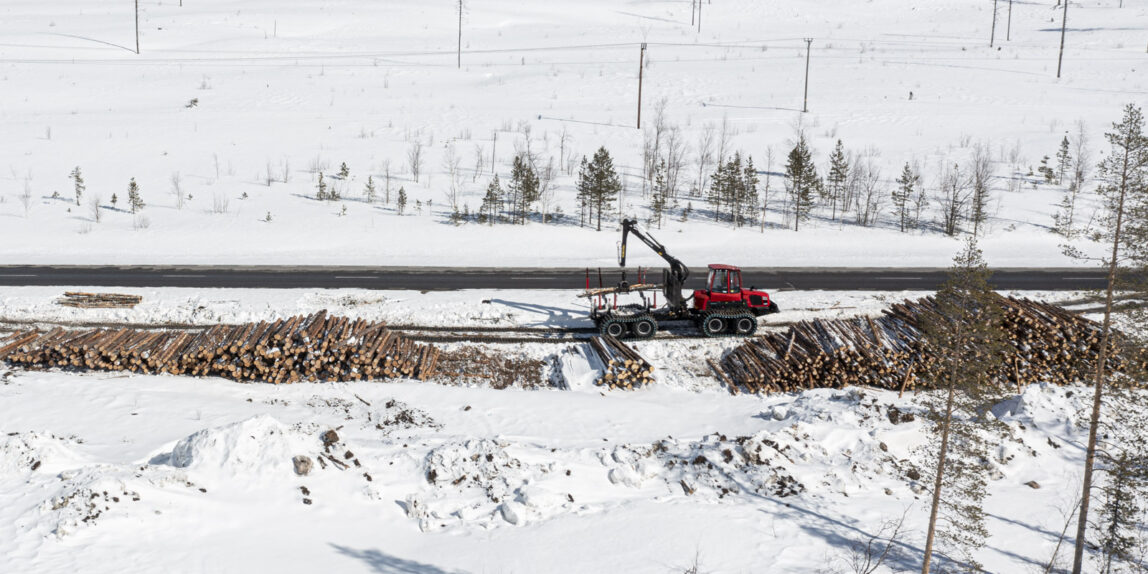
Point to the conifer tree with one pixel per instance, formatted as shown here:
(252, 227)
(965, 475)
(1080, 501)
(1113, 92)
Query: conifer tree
(78, 179)
(344, 171)
(401, 201)
(489, 211)
(835, 180)
(1063, 161)
(135, 202)
(966, 338)
(114, 200)
(802, 181)
(659, 193)
(522, 189)
(903, 194)
(585, 201)
(602, 182)
(321, 189)
(369, 190)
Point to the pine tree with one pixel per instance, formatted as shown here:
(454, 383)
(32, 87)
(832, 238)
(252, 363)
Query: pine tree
(747, 189)
(1125, 192)
(321, 193)
(369, 191)
(522, 189)
(585, 201)
(903, 194)
(835, 180)
(659, 193)
(79, 183)
(114, 200)
(135, 202)
(344, 171)
(802, 181)
(686, 211)
(966, 338)
(401, 201)
(1063, 161)
(602, 182)
(720, 185)
(489, 211)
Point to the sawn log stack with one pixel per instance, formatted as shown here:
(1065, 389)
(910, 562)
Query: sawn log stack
(1045, 343)
(317, 347)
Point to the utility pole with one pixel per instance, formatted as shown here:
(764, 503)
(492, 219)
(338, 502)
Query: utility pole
(641, 65)
(993, 34)
(138, 27)
(459, 34)
(805, 106)
(1008, 32)
(1063, 27)
(693, 11)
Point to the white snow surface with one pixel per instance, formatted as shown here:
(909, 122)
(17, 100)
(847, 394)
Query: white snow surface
(225, 93)
(107, 472)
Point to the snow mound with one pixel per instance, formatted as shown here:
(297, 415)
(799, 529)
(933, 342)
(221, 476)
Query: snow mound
(258, 446)
(26, 452)
(477, 482)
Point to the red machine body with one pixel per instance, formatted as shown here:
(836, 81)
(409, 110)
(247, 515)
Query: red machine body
(723, 290)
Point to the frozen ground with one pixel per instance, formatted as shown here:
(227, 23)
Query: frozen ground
(226, 93)
(102, 473)
(106, 472)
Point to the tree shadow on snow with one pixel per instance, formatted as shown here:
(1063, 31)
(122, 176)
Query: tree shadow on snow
(387, 564)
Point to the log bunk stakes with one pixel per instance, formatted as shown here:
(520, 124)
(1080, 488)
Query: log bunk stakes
(317, 347)
(625, 368)
(1046, 343)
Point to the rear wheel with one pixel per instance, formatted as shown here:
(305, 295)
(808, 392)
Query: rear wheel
(645, 328)
(613, 328)
(745, 325)
(713, 325)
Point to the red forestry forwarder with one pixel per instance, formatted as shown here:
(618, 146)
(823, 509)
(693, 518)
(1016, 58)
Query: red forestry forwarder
(722, 309)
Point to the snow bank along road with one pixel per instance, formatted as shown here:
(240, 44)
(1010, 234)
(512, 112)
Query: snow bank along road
(445, 278)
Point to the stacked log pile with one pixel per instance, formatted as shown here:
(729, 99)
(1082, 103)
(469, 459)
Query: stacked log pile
(318, 347)
(625, 368)
(1046, 343)
(99, 300)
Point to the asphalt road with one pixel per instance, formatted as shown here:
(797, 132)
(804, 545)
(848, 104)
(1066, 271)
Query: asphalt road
(440, 278)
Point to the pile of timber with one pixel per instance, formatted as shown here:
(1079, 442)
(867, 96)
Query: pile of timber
(625, 368)
(99, 300)
(1045, 343)
(318, 347)
(599, 291)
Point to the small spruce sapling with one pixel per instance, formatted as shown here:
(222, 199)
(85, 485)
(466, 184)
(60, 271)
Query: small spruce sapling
(135, 202)
(344, 171)
(114, 200)
(401, 202)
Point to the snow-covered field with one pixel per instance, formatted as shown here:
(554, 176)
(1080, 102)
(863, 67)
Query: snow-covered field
(105, 472)
(225, 93)
(231, 110)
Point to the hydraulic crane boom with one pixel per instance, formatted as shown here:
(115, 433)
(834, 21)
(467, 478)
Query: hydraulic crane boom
(675, 277)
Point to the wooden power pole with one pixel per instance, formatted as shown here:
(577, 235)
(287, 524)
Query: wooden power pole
(1008, 30)
(641, 66)
(993, 33)
(1063, 27)
(805, 106)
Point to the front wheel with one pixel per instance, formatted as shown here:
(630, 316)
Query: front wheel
(745, 325)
